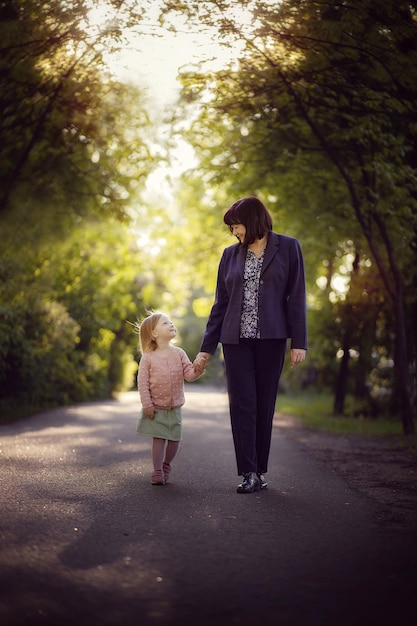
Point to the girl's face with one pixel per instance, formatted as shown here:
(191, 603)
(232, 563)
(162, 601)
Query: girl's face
(239, 231)
(164, 329)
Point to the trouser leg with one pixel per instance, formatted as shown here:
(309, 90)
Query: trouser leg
(241, 387)
(253, 368)
(269, 359)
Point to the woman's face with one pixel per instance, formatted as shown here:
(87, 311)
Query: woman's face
(239, 231)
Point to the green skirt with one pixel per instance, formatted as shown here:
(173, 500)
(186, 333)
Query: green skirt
(166, 424)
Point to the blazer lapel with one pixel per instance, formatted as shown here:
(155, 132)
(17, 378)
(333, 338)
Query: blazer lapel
(241, 258)
(270, 250)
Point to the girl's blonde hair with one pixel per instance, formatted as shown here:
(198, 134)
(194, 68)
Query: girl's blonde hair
(146, 342)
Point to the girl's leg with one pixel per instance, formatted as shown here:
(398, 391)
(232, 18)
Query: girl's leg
(158, 449)
(170, 453)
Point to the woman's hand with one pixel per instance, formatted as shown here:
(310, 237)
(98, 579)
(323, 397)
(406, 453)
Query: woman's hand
(297, 355)
(201, 361)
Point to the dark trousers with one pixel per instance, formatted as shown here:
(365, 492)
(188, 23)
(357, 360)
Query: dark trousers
(253, 369)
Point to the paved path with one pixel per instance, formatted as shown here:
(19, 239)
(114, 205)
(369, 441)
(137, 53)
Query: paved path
(85, 538)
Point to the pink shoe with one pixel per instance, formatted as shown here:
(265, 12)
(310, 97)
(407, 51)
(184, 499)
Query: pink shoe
(167, 469)
(158, 478)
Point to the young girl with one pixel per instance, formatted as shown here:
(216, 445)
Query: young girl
(162, 370)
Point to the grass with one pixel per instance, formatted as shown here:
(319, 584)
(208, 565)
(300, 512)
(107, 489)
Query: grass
(315, 411)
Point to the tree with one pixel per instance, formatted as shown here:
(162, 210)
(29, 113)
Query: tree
(66, 318)
(59, 111)
(336, 83)
(73, 158)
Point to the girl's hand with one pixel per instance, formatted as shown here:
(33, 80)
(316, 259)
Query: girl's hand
(149, 413)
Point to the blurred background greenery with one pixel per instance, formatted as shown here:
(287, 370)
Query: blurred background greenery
(112, 191)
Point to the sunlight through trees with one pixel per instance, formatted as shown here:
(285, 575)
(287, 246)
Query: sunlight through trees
(128, 128)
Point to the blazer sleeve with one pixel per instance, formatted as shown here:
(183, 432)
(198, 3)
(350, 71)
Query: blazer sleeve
(296, 299)
(214, 324)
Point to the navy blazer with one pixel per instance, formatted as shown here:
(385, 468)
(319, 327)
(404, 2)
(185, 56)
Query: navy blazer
(282, 295)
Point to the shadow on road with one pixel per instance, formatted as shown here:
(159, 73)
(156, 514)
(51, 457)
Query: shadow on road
(86, 537)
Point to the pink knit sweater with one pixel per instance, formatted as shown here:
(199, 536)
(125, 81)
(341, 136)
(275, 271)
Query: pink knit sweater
(161, 378)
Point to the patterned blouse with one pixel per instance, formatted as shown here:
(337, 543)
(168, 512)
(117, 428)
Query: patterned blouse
(249, 320)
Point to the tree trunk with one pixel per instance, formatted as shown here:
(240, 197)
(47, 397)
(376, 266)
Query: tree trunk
(363, 366)
(389, 271)
(341, 382)
(402, 378)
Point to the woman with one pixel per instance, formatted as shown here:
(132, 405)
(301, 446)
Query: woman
(260, 302)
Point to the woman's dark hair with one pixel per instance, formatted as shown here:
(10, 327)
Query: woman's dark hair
(254, 216)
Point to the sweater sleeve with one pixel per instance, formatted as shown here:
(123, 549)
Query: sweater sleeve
(144, 382)
(190, 373)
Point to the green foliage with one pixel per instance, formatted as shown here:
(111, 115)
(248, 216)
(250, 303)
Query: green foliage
(64, 335)
(73, 159)
(64, 124)
(38, 362)
(315, 411)
(183, 242)
(318, 117)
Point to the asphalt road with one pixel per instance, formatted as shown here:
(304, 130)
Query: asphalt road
(86, 539)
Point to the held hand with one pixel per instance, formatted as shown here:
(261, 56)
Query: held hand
(201, 361)
(297, 355)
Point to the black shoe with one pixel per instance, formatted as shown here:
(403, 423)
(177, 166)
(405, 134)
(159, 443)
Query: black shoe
(262, 481)
(250, 483)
